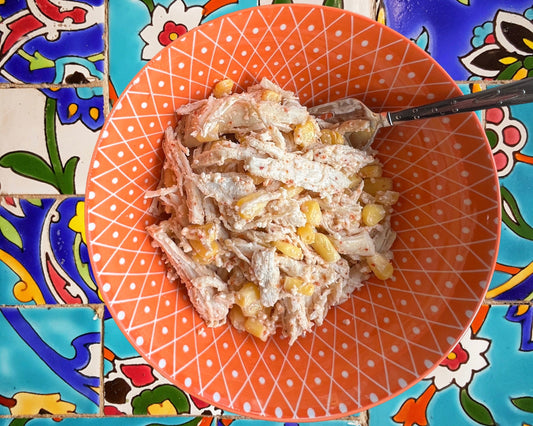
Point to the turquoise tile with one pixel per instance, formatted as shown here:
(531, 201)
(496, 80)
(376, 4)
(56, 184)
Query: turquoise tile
(51, 230)
(353, 421)
(111, 421)
(51, 360)
(453, 29)
(131, 385)
(486, 381)
(48, 43)
(139, 29)
(508, 130)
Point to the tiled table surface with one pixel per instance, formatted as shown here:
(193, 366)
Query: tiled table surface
(62, 358)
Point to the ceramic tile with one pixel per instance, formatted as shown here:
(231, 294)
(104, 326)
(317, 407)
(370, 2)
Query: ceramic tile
(481, 382)
(139, 29)
(131, 386)
(112, 421)
(50, 360)
(45, 42)
(47, 138)
(354, 421)
(451, 30)
(507, 129)
(51, 230)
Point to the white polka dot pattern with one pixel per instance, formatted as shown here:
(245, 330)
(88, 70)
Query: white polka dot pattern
(385, 337)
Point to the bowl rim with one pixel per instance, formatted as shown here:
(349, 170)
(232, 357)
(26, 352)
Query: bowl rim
(217, 21)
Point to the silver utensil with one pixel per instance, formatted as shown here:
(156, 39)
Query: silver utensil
(352, 112)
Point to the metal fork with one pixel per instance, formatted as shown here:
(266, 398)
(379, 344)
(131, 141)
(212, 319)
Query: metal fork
(350, 109)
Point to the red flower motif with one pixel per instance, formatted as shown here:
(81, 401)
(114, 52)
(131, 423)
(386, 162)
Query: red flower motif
(171, 31)
(456, 358)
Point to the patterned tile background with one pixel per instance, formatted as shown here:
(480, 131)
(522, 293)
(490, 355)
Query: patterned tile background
(62, 357)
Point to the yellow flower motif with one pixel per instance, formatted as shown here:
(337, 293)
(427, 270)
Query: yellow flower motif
(29, 404)
(77, 223)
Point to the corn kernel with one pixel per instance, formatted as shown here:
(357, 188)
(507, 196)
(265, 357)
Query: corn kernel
(270, 96)
(374, 185)
(248, 298)
(204, 254)
(169, 177)
(304, 133)
(388, 198)
(307, 289)
(236, 317)
(297, 285)
(372, 214)
(223, 88)
(202, 240)
(288, 249)
(312, 212)
(372, 170)
(361, 138)
(292, 284)
(325, 248)
(331, 137)
(306, 233)
(257, 180)
(249, 206)
(256, 328)
(380, 266)
(292, 191)
(355, 181)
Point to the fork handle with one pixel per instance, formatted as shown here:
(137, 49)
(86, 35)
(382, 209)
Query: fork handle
(514, 93)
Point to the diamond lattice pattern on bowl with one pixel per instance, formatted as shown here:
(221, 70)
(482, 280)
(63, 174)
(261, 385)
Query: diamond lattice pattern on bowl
(388, 335)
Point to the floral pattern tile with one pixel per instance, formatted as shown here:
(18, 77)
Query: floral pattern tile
(53, 231)
(140, 28)
(112, 421)
(48, 42)
(467, 37)
(508, 130)
(50, 361)
(133, 387)
(48, 136)
(56, 82)
(461, 390)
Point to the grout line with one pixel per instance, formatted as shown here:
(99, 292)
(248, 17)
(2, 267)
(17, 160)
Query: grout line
(102, 361)
(95, 83)
(97, 307)
(106, 78)
(42, 196)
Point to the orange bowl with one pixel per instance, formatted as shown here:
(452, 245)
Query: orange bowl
(388, 335)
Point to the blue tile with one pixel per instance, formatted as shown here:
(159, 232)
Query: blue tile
(50, 360)
(131, 386)
(111, 421)
(485, 387)
(39, 45)
(450, 29)
(51, 230)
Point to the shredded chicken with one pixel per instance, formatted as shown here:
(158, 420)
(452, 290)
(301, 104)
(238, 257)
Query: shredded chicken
(265, 217)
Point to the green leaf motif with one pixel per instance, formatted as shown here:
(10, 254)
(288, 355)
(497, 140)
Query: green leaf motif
(512, 216)
(29, 165)
(465, 2)
(10, 232)
(37, 61)
(334, 3)
(158, 395)
(19, 422)
(524, 403)
(475, 410)
(192, 422)
(510, 71)
(67, 179)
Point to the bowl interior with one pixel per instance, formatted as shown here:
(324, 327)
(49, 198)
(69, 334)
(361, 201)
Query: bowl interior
(388, 335)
